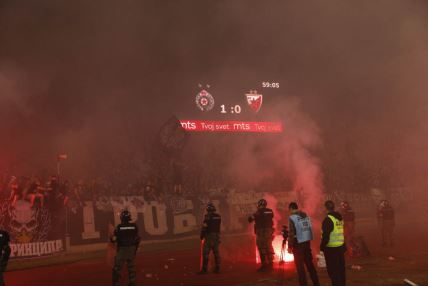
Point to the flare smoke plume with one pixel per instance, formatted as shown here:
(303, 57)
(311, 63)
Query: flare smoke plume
(96, 80)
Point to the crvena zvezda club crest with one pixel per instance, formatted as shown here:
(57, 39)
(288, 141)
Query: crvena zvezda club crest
(254, 100)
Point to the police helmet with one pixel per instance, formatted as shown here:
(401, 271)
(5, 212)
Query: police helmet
(329, 205)
(262, 204)
(211, 207)
(125, 216)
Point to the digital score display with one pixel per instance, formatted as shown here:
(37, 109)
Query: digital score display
(232, 109)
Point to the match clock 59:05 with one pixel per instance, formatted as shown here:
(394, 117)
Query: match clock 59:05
(267, 84)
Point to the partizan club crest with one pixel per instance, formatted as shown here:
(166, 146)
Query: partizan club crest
(254, 100)
(24, 223)
(204, 100)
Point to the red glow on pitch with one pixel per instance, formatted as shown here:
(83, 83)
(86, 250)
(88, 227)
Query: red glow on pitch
(277, 248)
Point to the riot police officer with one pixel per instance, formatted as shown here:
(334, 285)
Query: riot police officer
(210, 235)
(263, 228)
(386, 221)
(348, 216)
(127, 239)
(4, 253)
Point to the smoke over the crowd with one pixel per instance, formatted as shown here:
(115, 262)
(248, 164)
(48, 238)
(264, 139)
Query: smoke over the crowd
(285, 162)
(97, 80)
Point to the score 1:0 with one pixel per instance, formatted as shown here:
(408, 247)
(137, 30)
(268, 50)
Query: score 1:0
(234, 109)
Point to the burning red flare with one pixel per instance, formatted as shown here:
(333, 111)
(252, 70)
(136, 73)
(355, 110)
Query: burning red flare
(277, 247)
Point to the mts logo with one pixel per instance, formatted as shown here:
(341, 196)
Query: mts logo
(188, 125)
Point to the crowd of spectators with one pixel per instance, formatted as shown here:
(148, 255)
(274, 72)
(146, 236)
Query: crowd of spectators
(56, 193)
(53, 191)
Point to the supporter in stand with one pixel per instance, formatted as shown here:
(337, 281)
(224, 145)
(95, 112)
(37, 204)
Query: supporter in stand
(86, 191)
(34, 191)
(78, 191)
(63, 194)
(16, 192)
(93, 190)
(150, 192)
(52, 190)
(177, 201)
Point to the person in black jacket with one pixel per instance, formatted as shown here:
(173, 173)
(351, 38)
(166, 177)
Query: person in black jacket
(348, 216)
(210, 235)
(333, 245)
(127, 239)
(263, 228)
(4, 253)
(386, 221)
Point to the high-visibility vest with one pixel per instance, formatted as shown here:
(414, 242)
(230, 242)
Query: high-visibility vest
(336, 236)
(303, 228)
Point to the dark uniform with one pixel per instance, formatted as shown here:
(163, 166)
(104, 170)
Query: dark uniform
(127, 239)
(263, 229)
(299, 243)
(386, 220)
(348, 216)
(4, 253)
(210, 234)
(333, 245)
